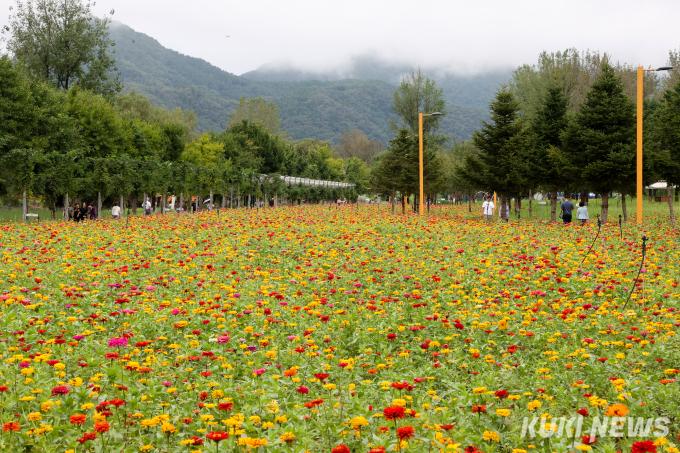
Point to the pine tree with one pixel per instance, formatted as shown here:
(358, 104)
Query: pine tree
(501, 143)
(601, 138)
(541, 167)
(663, 146)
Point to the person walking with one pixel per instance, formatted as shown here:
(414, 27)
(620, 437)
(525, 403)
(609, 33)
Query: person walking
(488, 209)
(567, 207)
(115, 212)
(582, 213)
(147, 206)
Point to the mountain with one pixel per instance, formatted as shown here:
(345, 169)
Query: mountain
(309, 107)
(473, 90)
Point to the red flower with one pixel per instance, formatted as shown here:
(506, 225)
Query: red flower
(583, 411)
(501, 393)
(225, 406)
(588, 440)
(471, 449)
(476, 408)
(342, 448)
(302, 389)
(314, 403)
(217, 436)
(321, 376)
(377, 450)
(512, 349)
(86, 437)
(3, 388)
(400, 385)
(406, 432)
(391, 336)
(644, 446)
(447, 427)
(197, 440)
(60, 390)
(394, 413)
(11, 426)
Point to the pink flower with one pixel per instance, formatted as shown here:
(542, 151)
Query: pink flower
(259, 371)
(223, 339)
(117, 342)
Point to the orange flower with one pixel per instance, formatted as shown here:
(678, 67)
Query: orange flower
(11, 426)
(617, 410)
(101, 427)
(290, 373)
(78, 419)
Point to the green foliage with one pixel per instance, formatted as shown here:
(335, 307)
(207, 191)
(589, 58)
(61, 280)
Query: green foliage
(308, 108)
(100, 128)
(63, 43)
(416, 94)
(601, 138)
(663, 130)
(203, 152)
(501, 143)
(257, 110)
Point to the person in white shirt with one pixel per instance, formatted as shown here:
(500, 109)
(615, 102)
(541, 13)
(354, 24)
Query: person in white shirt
(582, 213)
(488, 209)
(147, 206)
(115, 212)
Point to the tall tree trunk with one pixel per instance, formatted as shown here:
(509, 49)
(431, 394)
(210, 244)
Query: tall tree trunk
(553, 205)
(530, 203)
(24, 207)
(605, 207)
(624, 207)
(134, 203)
(584, 197)
(518, 204)
(165, 198)
(144, 204)
(181, 202)
(231, 196)
(122, 205)
(392, 199)
(469, 197)
(66, 202)
(99, 205)
(224, 200)
(669, 194)
(212, 200)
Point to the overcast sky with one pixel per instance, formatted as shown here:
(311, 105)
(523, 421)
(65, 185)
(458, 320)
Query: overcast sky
(465, 36)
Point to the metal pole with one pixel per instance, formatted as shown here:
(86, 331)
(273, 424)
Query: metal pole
(420, 159)
(639, 143)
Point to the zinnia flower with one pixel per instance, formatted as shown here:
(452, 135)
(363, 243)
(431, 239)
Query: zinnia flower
(101, 427)
(217, 436)
(60, 390)
(406, 432)
(394, 413)
(342, 448)
(78, 419)
(644, 446)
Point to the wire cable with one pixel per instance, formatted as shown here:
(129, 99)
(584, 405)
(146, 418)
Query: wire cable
(644, 250)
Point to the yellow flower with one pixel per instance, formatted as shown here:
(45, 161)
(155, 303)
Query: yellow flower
(479, 390)
(34, 416)
(168, 428)
(534, 404)
(145, 447)
(503, 412)
(491, 435)
(358, 422)
(287, 437)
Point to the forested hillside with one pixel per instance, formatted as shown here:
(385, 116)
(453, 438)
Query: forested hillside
(309, 108)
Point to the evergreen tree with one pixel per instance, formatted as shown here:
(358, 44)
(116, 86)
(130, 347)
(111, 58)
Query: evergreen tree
(601, 138)
(501, 144)
(663, 146)
(540, 166)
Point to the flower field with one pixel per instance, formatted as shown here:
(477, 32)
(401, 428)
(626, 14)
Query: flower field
(336, 330)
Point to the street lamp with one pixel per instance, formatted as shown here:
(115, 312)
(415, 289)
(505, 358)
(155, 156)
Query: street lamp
(420, 138)
(640, 72)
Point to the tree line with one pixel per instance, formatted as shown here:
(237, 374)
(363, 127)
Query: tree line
(567, 124)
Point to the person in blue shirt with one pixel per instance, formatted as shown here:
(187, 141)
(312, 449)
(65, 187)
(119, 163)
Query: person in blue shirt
(566, 207)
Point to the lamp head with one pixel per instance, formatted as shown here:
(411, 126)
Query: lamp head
(664, 68)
